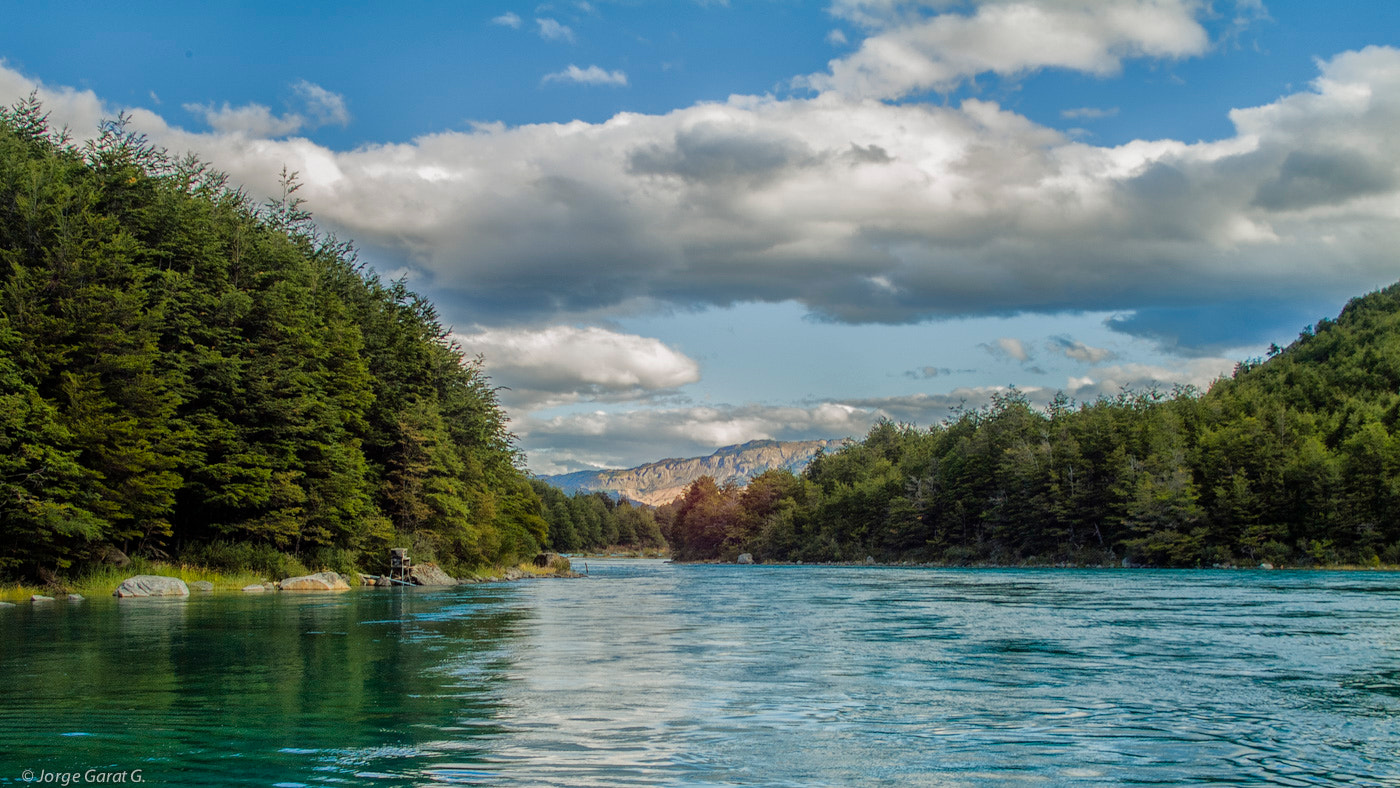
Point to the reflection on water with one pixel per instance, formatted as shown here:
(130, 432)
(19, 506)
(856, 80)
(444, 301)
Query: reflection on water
(647, 673)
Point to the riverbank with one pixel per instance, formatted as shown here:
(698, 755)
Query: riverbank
(102, 581)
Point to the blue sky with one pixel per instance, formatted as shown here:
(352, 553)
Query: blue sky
(669, 226)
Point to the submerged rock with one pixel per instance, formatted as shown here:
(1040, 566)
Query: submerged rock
(40, 598)
(151, 585)
(321, 581)
(202, 585)
(74, 597)
(7, 604)
(255, 588)
(744, 558)
(430, 575)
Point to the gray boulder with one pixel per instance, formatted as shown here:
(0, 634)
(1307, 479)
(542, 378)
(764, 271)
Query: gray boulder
(255, 588)
(7, 604)
(111, 556)
(321, 581)
(202, 585)
(74, 597)
(430, 575)
(744, 558)
(40, 598)
(151, 585)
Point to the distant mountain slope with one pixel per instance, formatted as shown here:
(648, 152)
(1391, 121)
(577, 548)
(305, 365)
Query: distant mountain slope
(661, 482)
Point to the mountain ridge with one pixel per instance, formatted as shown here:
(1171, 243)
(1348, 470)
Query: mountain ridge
(662, 481)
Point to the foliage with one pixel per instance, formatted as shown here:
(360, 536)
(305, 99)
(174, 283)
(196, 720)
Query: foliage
(593, 521)
(182, 370)
(1295, 459)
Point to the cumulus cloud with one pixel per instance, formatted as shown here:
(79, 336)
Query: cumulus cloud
(1074, 349)
(912, 50)
(602, 439)
(1111, 380)
(553, 30)
(317, 107)
(508, 19)
(861, 210)
(593, 75)
(1008, 348)
(562, 364)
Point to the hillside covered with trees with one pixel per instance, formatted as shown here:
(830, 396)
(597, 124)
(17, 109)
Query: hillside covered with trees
(1292, 460)
(182, 369)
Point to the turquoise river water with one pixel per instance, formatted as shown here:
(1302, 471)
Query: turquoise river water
(648, 673)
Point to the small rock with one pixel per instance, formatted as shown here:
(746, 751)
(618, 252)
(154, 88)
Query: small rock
(514, 574)
(202, 585)
(1266, 565)
(7, 604)
(151, 585)
(744, 558)
(40, 598)
(870, 559)
(255, 588)
(74, 597)
(321, 581)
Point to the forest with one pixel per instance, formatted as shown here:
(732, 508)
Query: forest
(184, 372)
(1292, 460)
(187, 374)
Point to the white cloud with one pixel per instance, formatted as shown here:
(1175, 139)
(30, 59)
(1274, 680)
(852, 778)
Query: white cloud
(859, 209)
(553, 30)
(319, 107)
(252, 120)
(508, 19)
(1078, 351)
(910, 52)
(562, 364)
(1008, 348)
(836, 38)
(593, 75)
(1109, 381)
(322, 107)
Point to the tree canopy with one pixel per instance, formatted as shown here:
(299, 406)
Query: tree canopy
(180, 365)
(1294, 459)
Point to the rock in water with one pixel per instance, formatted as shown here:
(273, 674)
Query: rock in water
(74, 597)
(40, 598)
(321, 581)
(202, 585)
(744, 558)
(430, 575)
(255, 588)
(152, 585)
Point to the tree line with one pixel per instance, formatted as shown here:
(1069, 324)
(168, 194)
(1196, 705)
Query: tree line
(1294, 459)
(180, 366)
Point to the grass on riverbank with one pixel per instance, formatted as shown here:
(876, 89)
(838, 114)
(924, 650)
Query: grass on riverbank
(103, 580)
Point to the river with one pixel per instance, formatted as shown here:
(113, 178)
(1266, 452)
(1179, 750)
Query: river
(648, 673)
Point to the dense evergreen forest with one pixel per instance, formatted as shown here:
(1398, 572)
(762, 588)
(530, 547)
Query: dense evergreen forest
(596, 520)
(183, 371)
(1292, 460)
